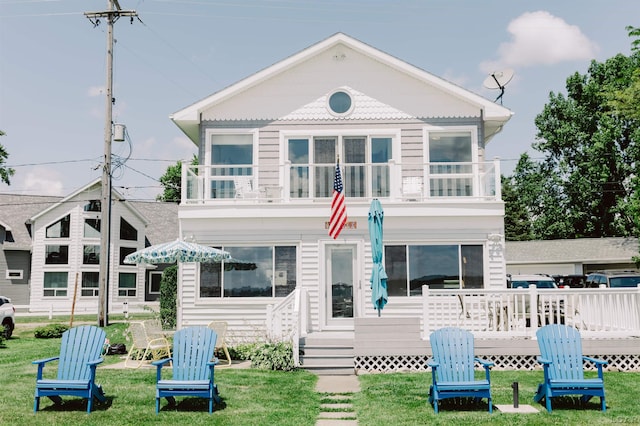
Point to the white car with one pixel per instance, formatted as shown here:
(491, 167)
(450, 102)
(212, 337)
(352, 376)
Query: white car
(7, 316)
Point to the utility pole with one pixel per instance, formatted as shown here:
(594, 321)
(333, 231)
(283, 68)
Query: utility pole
(111, 15)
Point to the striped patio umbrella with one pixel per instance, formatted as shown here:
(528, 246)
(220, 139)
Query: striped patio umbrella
(177, 251)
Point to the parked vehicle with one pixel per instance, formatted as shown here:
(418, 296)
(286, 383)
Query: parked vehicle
(7, 316)
(571, 281)
(613, 279)
(524, 281)
(548, 311)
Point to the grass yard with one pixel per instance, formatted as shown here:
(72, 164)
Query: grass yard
(256, 397)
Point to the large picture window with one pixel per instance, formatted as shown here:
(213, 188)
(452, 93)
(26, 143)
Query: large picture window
(55, 284)
(264, 272)
(91, 255)
(438, 266)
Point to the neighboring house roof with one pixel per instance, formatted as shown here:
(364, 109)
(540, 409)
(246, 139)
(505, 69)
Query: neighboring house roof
(583, 250)
(15, 212)
(163, 220)
(189, 118)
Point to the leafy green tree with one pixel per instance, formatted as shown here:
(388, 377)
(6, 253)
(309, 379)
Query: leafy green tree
(169, 297)
(587, 185)
(517, 223)
(5, 172)
(172, 182)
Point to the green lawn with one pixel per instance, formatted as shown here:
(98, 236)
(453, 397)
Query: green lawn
(255, 397)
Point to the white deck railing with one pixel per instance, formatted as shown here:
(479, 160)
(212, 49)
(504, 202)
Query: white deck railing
(303, 183)
(600, 312)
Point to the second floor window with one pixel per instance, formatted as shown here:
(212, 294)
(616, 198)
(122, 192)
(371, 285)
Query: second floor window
(91, 255)
(364, 161)
(230, 155)
(57, 255)
(60, 228)
(127, 231)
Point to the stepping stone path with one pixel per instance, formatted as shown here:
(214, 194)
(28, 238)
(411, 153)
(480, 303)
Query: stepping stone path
(337, 397)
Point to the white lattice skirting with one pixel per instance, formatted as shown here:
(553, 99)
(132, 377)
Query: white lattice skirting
(390, 364)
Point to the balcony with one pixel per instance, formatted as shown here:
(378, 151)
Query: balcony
(308, 183)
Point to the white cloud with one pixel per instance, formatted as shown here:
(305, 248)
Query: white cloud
(539, 38)
(43, 181)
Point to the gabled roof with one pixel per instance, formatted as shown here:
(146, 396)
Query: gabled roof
(189, 118)
(115, 196)
(16, 212)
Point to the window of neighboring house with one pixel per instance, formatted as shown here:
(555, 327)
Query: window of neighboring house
(127, 231)
(91, 255)
(230, 155)
(124, 251)
(364, 161)
(56, 254)
(14, 274)
(55, 284)
(265, 272)
(60, 228)
(154, 282)
(439, 266)
(93, 206)
(90, 284)
(92, 228)
(450, 164)
(127, 284)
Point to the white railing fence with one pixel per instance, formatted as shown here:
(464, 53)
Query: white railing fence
(520, 312)
(288, 321)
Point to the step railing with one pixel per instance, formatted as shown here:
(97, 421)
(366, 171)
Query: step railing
(288, 320)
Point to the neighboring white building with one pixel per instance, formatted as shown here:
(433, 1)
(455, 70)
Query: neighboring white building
(65, 259)
(268, 147)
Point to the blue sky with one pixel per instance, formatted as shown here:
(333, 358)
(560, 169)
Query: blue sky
(53, 68)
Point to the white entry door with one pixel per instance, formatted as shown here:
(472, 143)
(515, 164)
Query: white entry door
(341, 285)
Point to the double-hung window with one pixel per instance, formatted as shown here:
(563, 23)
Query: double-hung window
(451, 156)
(230, 154)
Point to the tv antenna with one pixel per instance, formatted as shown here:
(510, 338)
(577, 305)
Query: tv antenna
(498, 80)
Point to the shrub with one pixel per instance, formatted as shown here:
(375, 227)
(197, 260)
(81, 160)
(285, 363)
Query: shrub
(50, 331)
(168, 297)
(272, 356)
(1, 335)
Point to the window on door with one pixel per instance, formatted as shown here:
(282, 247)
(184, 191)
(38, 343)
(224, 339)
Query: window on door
(409, 267)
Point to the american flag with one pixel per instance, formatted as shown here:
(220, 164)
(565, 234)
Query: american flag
(338, 207)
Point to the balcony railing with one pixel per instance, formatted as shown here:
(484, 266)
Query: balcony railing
(300, 183)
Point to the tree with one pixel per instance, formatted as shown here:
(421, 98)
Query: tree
(587, 185)
(517, 223)
(5, 172)
(172, 182)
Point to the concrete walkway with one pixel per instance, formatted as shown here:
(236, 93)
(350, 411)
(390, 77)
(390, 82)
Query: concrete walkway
(337, 408)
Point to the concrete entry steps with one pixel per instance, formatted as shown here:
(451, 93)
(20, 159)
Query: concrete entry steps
(337, 407)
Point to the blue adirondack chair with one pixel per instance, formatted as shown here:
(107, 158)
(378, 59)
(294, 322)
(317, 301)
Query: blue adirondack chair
(193, 362)
(453, 367)
(80, 354)
(562, 361)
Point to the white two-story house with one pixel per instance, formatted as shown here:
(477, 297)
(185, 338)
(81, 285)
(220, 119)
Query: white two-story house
(268, 147)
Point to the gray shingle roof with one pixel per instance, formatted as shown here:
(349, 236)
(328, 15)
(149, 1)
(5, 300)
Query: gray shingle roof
(594, 250)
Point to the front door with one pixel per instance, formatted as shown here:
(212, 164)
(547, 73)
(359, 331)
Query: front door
(341, 285)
